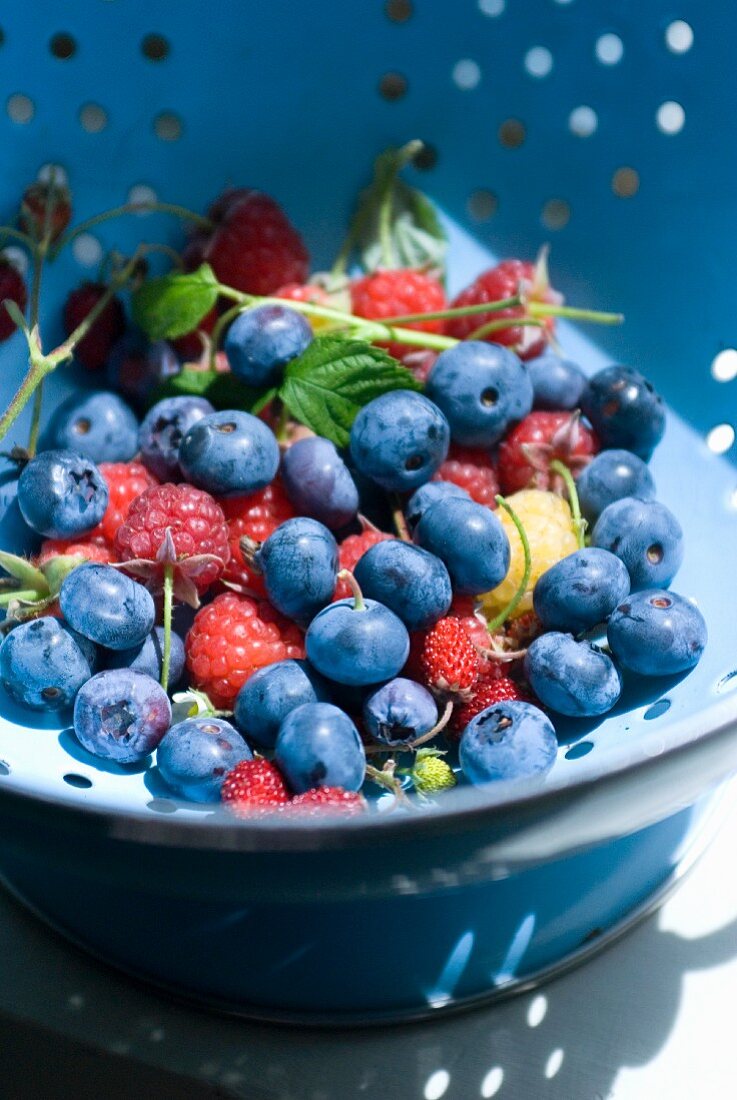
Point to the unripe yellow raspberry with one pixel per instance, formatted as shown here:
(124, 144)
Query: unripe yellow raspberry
(431, 774)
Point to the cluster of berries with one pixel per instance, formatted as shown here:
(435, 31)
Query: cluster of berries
(321, 639)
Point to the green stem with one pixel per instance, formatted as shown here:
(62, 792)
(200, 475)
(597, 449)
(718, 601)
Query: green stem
(385, 224)
(505, 612)
(17, 235)
(400, 523)
(168, 590)
(456, 311)
(595, 316)
(39, 255)
(579, 524)
(132, 208)
(37, 371)
(18, 594)
(358, 603)
(282, 424)
(219, 327)
(501, 324)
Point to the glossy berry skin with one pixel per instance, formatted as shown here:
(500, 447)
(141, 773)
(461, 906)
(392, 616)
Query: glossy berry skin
(93, 349)
(121, 715)
(486, 693)
(254, 517)
(125, 482)
(495, 284)
(527, 451)
(482, 389)
(610, 476)
(625, 410)
(162, 430)
(261, 342)
(229, 453)
(319, 746)
(573, 678)
(357, 646)
(412, 583)
(319, 483)
(556, 383)
(399, 440)
(656, 633)
(580, 591)
(399, 711)
(299, 563)
(12, 287)
(350, 552)
(398, 292)
(106, 606)
(97, 425)
(271, 694)
(62, 494)
(449, 661)
(472, 470)
(148, 656)
(196, 755)
(427, 495)
(326, 800)
(646, 536)
(509, 740)
(471, 542)
(253, 788)
(43, 664)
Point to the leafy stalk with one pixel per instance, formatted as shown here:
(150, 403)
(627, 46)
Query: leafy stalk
(579, 523)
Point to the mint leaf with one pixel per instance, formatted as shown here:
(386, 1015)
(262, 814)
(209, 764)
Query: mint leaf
(222, 389)
(173, 305)
(334, 378)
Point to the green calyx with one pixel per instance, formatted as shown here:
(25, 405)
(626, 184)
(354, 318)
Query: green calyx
(29, 590)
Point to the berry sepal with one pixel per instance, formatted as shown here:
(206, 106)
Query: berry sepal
(29, 589)
(184, 570)
(194, 704)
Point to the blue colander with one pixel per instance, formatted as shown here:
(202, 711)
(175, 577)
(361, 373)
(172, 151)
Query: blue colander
(599, 127)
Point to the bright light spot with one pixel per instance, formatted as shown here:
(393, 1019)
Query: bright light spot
(492, 1082)
(75, 1000)
(437, 1084)
(679, 36)
(87, 250)
(466, 74)
(59, 174)
(536, 1011)
(17, 257)
(538, 61)
(720, 438)
(733, 499)
(583, 121)
(724, 365)
(492, 7)
(553, 1064)
(670, 117)
(142, 193)
(609, 49)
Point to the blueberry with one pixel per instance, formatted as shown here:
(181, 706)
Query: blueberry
(97, 425)
(196, 755)
(135, 367)
(426, 495)
(625, 410)
(400, 711)
(509, 740)
(61, 494)
(580, 591)
(43, 663)
(610, 476)
(106, 606)
(319, 746)
(121, 715)
(412, 583)
(272, 693)
(162, 431)
(319, 483)
(149, 654)
(470, 540)
(229, 453)
(399, 440)
(299, 562)
(359, 642)
(646, 536)
(482, 388)
(574, 678)
(656, 633)
(261, 342)
(556, 383)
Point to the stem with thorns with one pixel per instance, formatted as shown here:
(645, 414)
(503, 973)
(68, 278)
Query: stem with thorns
(579, 523)
(168, 590)
(505, 612)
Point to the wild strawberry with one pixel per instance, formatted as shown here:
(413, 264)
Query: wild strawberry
(255, 248)
(526, 453)
(326, 800)
(486, 694)
(90, 548)
(13, 288)
(255, 517)
(93, 349)
(38, 198)
(253, 788)
(395, 293)
(232, 637)
(464, 608)
(472, 470)
(450, 663)
(350, 552)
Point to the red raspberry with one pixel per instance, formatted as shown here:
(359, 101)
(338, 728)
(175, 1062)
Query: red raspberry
(525, 455)
(91, 548)
(472, 470)
(35, 202)
(125, 482)
(503, 281)
(256, 516)
(94, 348)
(486, 694)
(232, 637)
(350, 552)
(255, 248)
(303, 292)
(326, 800)
(394, 293)
(253, 788)
(419, 362)
(13, 287)
(449, 660)
(197, 527)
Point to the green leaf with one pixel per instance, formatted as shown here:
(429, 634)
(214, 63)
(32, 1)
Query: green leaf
(222, 389)
(173, 305)
(334, 378)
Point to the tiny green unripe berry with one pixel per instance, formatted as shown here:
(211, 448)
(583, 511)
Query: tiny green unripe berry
(431, 774)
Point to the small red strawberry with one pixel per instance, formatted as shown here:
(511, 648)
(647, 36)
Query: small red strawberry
(464, 608)
(526, 453)
(472, 470)
(93, 349)
(13, 288)
(40, 197)
(254, 788)
(255, 248)
(449, 661)
(350, 552)
(486, 694)
(396, 293)
(255, 517)
(326, 800)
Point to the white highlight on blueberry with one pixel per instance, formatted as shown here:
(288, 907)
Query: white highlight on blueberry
(583, 121)
(679, 36)
(20, 108)
(720, 438)
(537, 1010)
(724, 365)
(59, 174)
(141, 193)
(609, 49)
(670, 117)
(492, 7)
(18, 258)
(495, 1077)
(466, 74)
(553, 1064)
(87, 250)
(437, 1084)
(538, 61)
